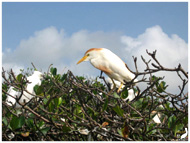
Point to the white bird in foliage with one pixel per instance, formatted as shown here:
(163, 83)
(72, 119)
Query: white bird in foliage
(34, 79)
(184, 135)
(131, 93)
(10, 100)
(156, 119)
(109, 63)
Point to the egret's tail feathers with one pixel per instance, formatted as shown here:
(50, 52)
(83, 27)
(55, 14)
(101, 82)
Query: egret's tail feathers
(135, 81)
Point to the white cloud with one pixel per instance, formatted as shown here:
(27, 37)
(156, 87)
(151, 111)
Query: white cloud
(53, 46)
(41, 49)
(16, 68)
(170, 51)
(50, 46)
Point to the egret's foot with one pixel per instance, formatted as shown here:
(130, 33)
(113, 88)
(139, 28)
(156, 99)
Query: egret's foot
(119, 88)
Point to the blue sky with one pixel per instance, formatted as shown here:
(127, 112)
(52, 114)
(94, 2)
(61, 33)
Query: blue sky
(60, 34)
(21, 20)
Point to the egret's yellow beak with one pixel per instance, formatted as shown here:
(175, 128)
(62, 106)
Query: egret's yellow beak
(81, 60)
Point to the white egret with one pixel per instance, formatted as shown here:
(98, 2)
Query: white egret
(131, 93)
(156, 118)
(10, 100)
(106, 61)
(184, 135)
(34, 79)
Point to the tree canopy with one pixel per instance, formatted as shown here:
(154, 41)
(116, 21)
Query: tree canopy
(66, 107)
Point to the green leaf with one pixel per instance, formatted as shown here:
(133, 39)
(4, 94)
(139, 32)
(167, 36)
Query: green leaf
(116, 95)
(30, 122)
(77, 110)
(40, 124)
(17, 122)
(50, 91)
(120, 132)
(80, 78)
(167, 106)
(45, 100)
(66, 129)
(38, 89)
(171, 122)
(138, 103)
(95, 92)
(19, 77)
(91, 111)
(53, 71)
(154, 78)
(4, 120)
(105, 104)
(118, 110)
(58, 101)
(45, 130)
(63, 77)
(145, 104)
(31, 115)
(161, 87)
(5, 87)
(177, 128)
(150, 127)
(124, 94)
(185, 120)
(163, 84)
(51, 106)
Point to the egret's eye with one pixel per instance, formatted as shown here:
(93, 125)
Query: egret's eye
(88, 54)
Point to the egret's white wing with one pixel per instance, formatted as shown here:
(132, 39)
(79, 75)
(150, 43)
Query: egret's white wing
(35, 79)
(156, 119)
(131, 94)
(119, 70)
(10, 100)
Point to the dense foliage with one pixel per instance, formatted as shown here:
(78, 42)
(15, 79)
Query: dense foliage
(72, 108)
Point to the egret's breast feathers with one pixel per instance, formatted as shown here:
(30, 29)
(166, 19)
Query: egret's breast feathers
(120, 70)
(104, 69)
(101, 65)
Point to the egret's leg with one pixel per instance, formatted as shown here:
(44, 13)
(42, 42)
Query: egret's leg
(114, 86)
(101, 74)
(119, 87)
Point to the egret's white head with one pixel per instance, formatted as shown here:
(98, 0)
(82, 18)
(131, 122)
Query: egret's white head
(91, 54)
